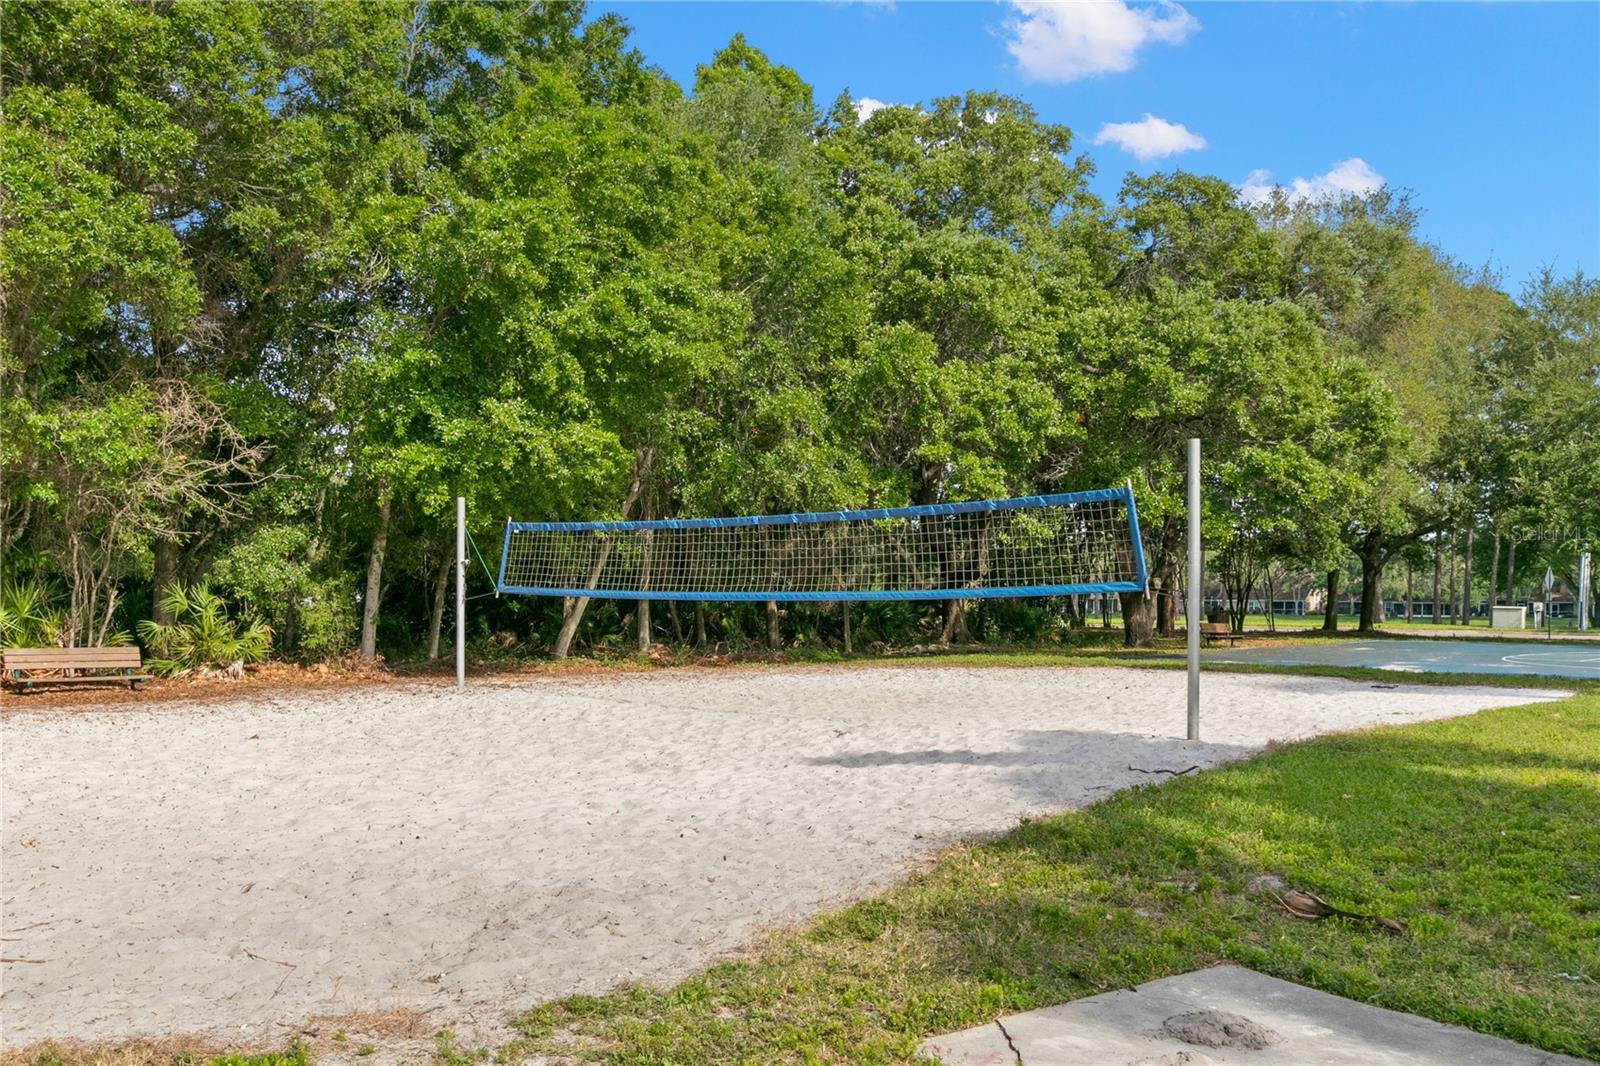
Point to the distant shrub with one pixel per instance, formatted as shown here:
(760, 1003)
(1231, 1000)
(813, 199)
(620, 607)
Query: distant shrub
(202, 634)
(31, 615)
(269, 573)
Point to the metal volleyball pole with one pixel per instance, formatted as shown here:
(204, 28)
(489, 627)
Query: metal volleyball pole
(461, 592)
(1195, 599)
(1585, 579)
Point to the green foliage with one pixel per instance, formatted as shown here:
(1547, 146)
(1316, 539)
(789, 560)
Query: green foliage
(1192, 231)
(31, 615)
(1541, 385)
(283, 281)
(446, 1052)
(273, 576)
(202, 633)
(296, 1054)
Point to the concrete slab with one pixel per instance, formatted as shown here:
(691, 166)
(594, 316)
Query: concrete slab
(1231, 1012)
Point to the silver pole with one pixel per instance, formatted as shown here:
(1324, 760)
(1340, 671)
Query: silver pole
(1195, 590)
(461, 592)
(1585, 579)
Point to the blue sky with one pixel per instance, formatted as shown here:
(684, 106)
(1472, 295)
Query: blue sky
(1490, 113)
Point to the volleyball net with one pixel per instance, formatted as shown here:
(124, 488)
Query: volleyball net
(1078, 542)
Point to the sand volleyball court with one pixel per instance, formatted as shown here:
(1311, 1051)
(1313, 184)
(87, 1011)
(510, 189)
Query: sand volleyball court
(235, 867)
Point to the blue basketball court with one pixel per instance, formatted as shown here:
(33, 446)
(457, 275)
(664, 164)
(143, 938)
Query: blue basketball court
(1551, 658)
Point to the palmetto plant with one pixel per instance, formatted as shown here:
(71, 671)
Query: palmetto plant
(201, 633)
(31, 615)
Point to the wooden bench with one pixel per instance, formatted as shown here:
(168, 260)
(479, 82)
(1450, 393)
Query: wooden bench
(1215, 631)
(23, 667)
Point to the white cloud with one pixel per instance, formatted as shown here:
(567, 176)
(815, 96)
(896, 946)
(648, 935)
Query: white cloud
(1150, 137)
(866, 107)
(1353, 176)
(1068, 41)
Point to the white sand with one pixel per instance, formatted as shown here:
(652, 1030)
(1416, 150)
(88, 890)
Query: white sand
(233, 867)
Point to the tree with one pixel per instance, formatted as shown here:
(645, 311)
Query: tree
(108, 471)
(1282, 424)
(1416, 320)
(955, 389)
(1193, 232)
(1537, 439)
(282, 281)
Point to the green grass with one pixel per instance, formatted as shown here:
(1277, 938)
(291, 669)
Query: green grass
(1394, 623)
(293, 1055)
(1482, 834)
(1398, 624)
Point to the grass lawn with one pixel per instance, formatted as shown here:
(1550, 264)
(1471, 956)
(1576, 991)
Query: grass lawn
(1418, 626)
(1482, 834)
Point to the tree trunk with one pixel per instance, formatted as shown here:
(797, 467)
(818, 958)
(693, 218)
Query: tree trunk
(1077, 615)
(576, 605)
(1239, 603)
(1511, 574)
(1438, 564)
(848, 648)
(774, 628)
(1166, 602)
(1453, 602)
(1138, 619)
(1466, 580)
(579, 604)
(1411, 589)
(699, 625)
(677, 626)
(165, 572)
(644, 582)
(1371, 556)
(441, 585)
(1330, 610)
(1271, 582)
(289, 639)
(955, 622)
(369, 602)
(1494, 574)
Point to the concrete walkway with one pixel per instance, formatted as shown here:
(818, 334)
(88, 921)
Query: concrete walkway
(1224, 1016)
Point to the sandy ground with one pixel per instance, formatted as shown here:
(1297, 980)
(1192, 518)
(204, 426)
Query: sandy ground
(235, 867)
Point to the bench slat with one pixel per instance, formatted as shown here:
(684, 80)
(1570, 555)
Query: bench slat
(118, 678)
(51, 658)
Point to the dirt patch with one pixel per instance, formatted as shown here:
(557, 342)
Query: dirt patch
(1218, 1028)
(136, 1052)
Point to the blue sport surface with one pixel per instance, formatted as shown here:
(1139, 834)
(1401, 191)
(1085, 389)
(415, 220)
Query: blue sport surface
(1551, 658)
